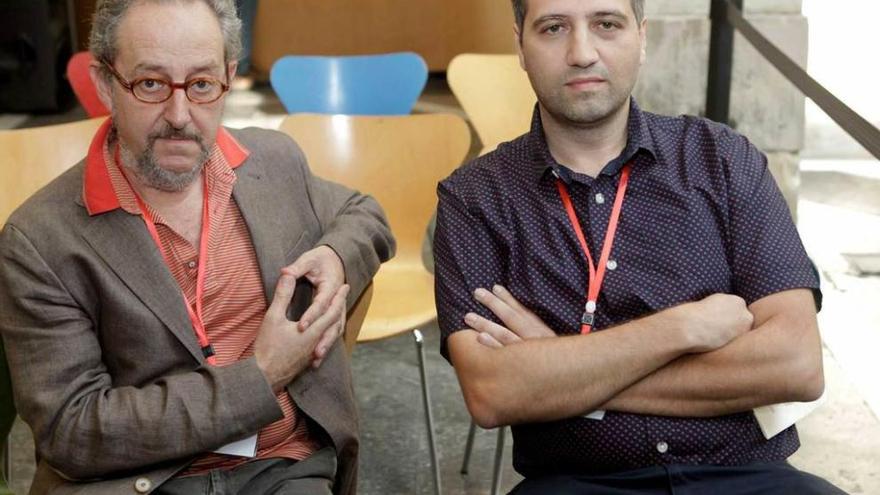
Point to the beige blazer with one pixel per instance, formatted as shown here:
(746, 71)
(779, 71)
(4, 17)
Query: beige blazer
(105, 366)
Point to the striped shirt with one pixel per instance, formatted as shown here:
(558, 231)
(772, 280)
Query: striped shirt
(234, 302)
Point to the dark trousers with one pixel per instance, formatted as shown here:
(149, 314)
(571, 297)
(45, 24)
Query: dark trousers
(313, 475)
(758, 478)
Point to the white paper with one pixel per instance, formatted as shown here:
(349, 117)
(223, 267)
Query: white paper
(246, 447)
(775, 418)
(598, 414)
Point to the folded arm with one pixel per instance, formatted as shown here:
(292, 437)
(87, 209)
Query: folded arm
(545, 379)
(780, 360)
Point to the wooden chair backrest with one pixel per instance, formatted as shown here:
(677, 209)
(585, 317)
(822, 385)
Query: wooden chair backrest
(496, 95)
(31, 158)
(396, 159)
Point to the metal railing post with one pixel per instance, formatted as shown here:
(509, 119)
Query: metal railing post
(720, 62)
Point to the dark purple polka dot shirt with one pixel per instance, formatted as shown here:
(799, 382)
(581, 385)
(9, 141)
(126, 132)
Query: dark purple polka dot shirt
(702, 215)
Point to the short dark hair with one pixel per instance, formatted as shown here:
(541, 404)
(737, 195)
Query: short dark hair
(519, 11)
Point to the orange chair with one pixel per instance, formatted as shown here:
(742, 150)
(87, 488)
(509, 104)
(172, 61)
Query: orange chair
(83, 88)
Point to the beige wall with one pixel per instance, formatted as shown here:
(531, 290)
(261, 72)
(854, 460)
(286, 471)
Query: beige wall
(436, 29)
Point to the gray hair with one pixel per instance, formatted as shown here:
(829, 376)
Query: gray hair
(109, 13)
(519, 12)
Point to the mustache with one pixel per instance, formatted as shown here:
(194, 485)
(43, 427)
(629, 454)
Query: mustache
(169, 132)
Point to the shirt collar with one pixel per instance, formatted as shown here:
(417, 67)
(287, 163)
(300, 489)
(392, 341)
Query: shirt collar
(638, 140)
(100, 196)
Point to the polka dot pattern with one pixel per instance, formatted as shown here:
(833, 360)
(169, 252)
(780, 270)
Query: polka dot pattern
(702, 215)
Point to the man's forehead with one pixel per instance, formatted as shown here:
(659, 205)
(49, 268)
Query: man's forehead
(542, 8)
(170, 35)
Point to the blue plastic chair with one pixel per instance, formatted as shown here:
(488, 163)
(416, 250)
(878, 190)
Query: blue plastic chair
(386, 84)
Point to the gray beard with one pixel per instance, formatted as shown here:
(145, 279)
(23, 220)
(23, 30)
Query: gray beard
(151, 174)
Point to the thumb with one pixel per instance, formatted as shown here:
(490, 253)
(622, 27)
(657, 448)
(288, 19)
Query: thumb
(283, 294)
(299, 267)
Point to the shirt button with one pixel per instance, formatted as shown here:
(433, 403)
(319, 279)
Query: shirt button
(662, 447)
(190, 264)
(143, 485)
(600, 199)
(612, 265)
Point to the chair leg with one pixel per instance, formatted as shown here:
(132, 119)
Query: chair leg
(499, 456)
(468, 448)
(429, 417)
(7, 461)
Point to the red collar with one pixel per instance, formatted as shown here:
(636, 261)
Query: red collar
(98, 193)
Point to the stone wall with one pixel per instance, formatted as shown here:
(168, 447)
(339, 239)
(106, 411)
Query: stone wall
(764, 106)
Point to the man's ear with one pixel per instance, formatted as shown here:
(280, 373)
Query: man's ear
(643, 37)
(517, 41)
(231, 69)
(102, 85)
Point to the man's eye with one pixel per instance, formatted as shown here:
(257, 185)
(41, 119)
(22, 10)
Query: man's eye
(553, 28)
(151, 85)
(202, 85)
(607, 26)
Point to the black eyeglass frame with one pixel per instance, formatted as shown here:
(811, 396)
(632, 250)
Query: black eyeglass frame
(129, 85)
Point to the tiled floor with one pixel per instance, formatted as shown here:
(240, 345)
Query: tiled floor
(841, 441)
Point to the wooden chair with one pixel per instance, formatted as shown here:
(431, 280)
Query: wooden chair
(499, 100)
(496, 95)
(29, 159)
(398, 160)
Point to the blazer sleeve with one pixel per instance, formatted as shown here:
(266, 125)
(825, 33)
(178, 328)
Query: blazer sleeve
(84, 425)
(353, 225)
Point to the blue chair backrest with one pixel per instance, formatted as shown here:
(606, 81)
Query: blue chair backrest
(387, 84)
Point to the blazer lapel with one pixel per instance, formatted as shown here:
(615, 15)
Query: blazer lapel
(123, 242)
(276, 228)
(273, 223)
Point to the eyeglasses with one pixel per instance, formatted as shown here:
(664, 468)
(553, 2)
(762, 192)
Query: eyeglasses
(199, 90)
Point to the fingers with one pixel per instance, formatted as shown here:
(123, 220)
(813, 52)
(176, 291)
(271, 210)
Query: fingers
(331, 323)
(320, 304)
(498, 307)
(505, 295)
(300, 267)
(327, 339)
(500, 334)
(283, 295)
(488, 340)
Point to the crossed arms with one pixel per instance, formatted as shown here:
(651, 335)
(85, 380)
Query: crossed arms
(705, 358)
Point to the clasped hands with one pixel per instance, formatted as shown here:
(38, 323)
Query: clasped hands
(284, 348)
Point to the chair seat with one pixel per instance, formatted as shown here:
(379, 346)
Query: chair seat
(403, 300)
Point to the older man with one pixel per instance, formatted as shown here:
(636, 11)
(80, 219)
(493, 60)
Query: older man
(624, 287)
(145, 294)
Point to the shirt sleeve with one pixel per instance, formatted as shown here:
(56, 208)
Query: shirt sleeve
(467, 256)
(765, 249)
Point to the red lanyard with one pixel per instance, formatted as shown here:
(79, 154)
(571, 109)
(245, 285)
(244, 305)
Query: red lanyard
(195, 316)
(597, 273)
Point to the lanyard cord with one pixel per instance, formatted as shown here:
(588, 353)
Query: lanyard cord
(195, 316)
(596, 272)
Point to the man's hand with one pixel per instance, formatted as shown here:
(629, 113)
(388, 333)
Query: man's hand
(323, 268)
(520, 323)
(282, 350)
(714, 321)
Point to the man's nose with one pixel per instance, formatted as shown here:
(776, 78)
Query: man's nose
(177, 109)
(582, 48)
